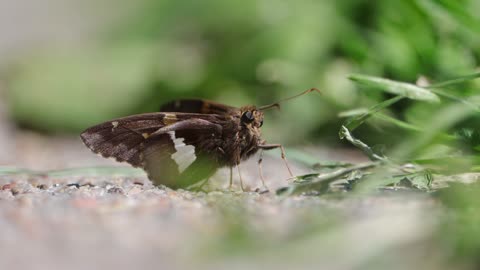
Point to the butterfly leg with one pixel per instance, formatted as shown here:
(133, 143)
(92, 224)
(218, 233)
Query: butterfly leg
(274, 146)
(260, 170)
(231, 178)
(240, 176)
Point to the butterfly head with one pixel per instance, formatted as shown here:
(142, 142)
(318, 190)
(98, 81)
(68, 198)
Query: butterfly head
(251, 117)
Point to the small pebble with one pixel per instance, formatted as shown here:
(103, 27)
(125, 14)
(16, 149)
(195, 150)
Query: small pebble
(42, 186)
(116, 190)
(135, 190)
(263, 191)
(15, 191)
(88, 184)
(73, 185)
(8, 186)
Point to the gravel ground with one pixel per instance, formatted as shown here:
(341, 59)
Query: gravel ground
(114, 218)
(126, 223)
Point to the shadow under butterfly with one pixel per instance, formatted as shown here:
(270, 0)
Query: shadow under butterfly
(187, 141)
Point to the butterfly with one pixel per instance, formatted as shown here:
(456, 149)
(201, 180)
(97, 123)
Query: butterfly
(186, 142)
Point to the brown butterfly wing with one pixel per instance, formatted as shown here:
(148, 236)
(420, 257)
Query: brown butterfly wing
(177, 159)
(197, 106)
(194, 151)
(172, 163)
(158, 163)
(123, 138)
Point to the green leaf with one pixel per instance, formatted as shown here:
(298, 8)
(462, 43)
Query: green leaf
(320, 182)
(398, 88)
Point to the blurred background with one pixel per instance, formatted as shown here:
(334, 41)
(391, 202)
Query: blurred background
(68, 64)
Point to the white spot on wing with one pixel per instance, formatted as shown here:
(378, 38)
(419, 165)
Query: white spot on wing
(114, 125)
(184, 155)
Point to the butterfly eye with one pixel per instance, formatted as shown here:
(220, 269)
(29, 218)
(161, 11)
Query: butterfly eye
(247, 117)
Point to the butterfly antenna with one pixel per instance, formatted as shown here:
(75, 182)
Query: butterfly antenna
(277, 104)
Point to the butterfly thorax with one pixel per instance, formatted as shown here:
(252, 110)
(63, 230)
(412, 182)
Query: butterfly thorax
(242, 135)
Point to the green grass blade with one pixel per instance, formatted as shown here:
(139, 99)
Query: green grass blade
(355, 122)
(297, 156)
(410, 127)
(398, 123)
(456, 80)
(353, 113)
(441, 121)
(14, 170)
(98, 171)
(435, 89)
(398, 88)
(86, 171)
(470, 104)
(345, 134)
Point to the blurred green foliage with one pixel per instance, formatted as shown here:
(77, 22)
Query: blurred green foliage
(246, 52)
(461, 229)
